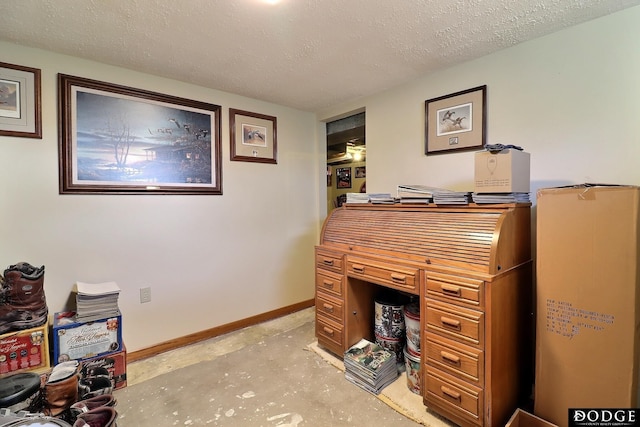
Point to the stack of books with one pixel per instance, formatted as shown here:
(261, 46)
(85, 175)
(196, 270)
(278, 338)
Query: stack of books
(96, 301)
(501, 198)
(370, 366)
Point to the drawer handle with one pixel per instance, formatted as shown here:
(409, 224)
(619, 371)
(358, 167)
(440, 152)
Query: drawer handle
(358, 268)
(327, 331)
(327, 261)
(401, 278)
(450, 393)
(451, 290)
(450, 358)
(327, 284)
(450, 323)
(328, 308)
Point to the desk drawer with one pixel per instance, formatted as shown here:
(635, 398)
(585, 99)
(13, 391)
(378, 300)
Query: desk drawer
(457, 359)
(329, 307)
(329, 260)
(454, 395)
(459, 323)
(329, 332)
(458, 290)
(330, 283)
(390, 275)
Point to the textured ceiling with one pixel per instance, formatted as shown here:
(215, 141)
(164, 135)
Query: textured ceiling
(306, 54)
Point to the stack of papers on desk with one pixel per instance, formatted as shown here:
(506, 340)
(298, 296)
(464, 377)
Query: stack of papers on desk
(501, 198)
(357, 198)
(370, 366)
(95, 301)
(447, 197)
(384, 198)
(415, 193)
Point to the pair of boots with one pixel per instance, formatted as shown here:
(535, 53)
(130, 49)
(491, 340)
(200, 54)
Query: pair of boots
(22, 301)
(63, 388)
(98, 411)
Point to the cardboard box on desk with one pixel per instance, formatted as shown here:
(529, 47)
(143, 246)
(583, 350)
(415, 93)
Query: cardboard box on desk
(73, 340)
(115, 363)
(588, 302)
(507, 171)
(26, 350)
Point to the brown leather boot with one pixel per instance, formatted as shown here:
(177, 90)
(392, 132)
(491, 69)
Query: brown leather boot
(22, 300)
(61, 390)
(92, 403)
(104, 416)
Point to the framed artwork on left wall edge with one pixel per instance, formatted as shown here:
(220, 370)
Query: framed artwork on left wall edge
(20, 102)
(121, 140)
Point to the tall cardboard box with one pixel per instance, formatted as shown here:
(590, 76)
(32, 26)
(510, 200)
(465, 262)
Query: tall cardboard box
(588, 303)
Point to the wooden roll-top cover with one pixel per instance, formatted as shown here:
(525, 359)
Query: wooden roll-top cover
(466, 237)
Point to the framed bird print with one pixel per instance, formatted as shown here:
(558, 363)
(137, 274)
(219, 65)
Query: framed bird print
(121, 140)
(20, 101)
(253, 137)
(456, 122)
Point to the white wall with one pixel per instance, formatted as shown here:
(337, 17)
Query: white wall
(571, 99)
(209, 260)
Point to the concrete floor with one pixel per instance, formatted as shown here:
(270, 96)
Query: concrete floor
(152, 367)
(271, 374)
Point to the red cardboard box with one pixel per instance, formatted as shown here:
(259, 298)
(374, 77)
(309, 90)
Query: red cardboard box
(115, 363)
(26, 350)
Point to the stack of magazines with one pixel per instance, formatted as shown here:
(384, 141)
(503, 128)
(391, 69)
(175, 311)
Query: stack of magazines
(501, 198)
(415, 194)
(96, 301)
(381, 198)
(448, 197)
(357, 198)
(370, 366)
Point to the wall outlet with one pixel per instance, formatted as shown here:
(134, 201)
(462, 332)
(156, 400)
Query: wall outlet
(145, 295)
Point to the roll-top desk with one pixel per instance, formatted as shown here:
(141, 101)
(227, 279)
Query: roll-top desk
(469, 265)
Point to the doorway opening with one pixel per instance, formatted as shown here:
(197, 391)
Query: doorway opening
(346, 159)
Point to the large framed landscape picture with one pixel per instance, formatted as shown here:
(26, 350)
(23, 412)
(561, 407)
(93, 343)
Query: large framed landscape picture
(117, 139)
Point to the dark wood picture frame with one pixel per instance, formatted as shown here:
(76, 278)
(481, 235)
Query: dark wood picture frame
(253, 137)
(20, 101)
(120, 140)
(456, 122)
(343, 177)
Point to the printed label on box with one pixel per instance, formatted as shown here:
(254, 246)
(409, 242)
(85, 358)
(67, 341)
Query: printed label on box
(115, 363)
(23, 350)
(86, 340)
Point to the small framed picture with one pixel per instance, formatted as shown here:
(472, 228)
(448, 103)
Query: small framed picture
(20, 102)
(343, 177)
(253, 137)
(361, 171)
(456, 122)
